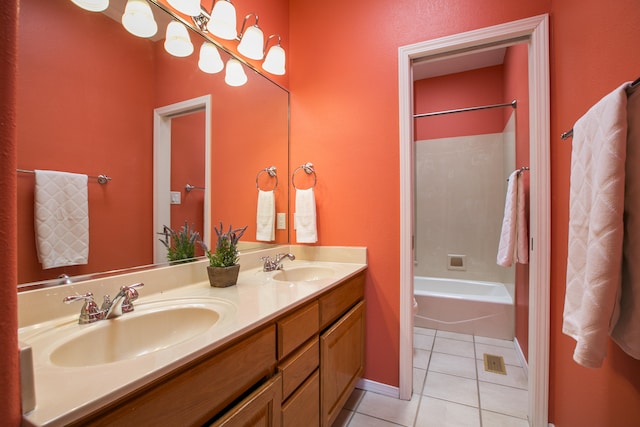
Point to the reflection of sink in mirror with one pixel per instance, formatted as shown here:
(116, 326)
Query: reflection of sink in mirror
(304, 274)
(135, 334)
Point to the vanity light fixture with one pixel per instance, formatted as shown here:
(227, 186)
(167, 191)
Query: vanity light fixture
(251, 40)
(177, 41)
(92, 5)
(235, 75)
(188, 7)
(275, 57)
(210, 61)
(138, 19)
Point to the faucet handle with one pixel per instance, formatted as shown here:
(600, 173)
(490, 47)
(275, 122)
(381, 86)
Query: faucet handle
(130, 295)
(89, 312)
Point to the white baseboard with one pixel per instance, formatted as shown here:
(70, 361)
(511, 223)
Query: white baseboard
(523, 360)
(378, 388)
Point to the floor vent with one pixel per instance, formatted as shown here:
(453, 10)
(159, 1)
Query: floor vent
(495, 364)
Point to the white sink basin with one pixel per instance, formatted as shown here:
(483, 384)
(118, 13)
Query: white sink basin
(304, 274)
(146, 330)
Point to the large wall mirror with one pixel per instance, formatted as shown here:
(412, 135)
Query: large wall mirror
(87, 91)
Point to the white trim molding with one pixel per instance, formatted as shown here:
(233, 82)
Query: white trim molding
(535, 32)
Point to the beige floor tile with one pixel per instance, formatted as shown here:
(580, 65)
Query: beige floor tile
(423, 342)
(452, 388)
(362, 420)
(515, 376)
(503, 399)
(456, 347)
(421, 358)
(494, 341)
(390, 409)
(442, 413)
(453, 365)
(419, 376)
(424, 331)
(492, 419)
(455, 336)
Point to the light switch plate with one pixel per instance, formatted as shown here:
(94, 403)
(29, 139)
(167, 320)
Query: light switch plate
(281, 221)
(175, 197)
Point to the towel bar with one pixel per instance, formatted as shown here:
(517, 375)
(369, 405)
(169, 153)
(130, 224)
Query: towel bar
(271, 170)
(102, 179)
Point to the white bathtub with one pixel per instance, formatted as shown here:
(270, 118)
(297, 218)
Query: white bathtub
(469, 307)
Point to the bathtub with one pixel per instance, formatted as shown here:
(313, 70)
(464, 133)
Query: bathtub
(464, 306)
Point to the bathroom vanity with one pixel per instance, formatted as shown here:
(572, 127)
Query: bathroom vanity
(287, 349)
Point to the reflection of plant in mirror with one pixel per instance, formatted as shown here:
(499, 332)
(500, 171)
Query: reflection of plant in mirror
(226, 253)
(181, 245)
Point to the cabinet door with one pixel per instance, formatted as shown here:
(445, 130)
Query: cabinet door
(302, 409)
(260, 408)
(341, 362)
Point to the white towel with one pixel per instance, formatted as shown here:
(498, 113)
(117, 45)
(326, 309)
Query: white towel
(514, 244)
(305, 216)
(61, 218)
(265, 217)
(596, 207)
(627, 330)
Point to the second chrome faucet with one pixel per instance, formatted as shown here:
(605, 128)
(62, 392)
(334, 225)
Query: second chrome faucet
(271, 264)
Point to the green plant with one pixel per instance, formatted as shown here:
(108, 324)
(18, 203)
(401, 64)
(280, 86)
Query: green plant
(226, 252)
(181, 245)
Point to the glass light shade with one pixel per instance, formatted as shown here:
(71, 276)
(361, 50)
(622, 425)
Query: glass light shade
(177, 41)
(138, 19)
(188, 7)
(92, 5)
(275, 60)
(210, 61)
(223, 20)
(235, 75)
(252, 42)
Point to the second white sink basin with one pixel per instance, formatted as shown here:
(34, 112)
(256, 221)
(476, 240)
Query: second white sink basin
(304, 274)
(143, 331)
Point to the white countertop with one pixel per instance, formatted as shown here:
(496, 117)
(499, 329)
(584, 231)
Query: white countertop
(64, 394)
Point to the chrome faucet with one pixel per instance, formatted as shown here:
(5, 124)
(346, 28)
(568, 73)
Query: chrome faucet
(275, 264)
(121, 303)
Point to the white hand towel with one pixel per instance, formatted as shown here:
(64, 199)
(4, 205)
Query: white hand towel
(627, 330)
(522, 232)
(305, 216)
(596, 207)
(61, 218)
(265, 217)
(508, 234)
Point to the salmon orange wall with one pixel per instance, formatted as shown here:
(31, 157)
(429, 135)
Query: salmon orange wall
(594, 47)
(88, 129)
(344, 119)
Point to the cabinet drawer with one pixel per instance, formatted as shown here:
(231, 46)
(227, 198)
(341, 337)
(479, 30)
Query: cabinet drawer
(302, 409)
(260, 408)
(339, 300)
(299, 366)
(297, 328)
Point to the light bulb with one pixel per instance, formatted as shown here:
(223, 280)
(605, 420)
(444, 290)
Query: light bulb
(210, 61)
(138, 19)
(177, 41)
(235, 75)
(223, 20)
(251, 43)
(275, 60)
(188, 7)
(92, 5)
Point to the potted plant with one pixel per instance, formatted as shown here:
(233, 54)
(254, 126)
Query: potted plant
(223, 265)
(181, 245)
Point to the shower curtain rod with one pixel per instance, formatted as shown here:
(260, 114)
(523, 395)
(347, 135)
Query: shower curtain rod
(513, 104)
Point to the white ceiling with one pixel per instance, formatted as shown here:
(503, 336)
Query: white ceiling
(424, 69)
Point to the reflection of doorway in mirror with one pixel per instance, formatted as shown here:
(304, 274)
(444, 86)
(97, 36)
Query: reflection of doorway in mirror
(182, 147)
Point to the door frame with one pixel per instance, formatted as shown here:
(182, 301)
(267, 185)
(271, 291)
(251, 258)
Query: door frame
(162, 117)
(535, 32)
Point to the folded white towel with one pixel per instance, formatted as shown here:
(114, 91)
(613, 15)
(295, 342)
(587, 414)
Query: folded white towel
(508, 234)
(596, 207)
(305, 216)
(522, 229)
(61, 218)
(265, 217)
(627, 330)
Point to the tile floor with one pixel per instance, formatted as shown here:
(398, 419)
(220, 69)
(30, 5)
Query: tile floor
(451, 387)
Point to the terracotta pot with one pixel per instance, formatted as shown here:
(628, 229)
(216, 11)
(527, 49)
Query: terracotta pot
(221, 277)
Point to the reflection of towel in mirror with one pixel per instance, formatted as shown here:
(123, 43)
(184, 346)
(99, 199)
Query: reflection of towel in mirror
(305, 216)
(514, 240)
(265, 217)
(61, 218)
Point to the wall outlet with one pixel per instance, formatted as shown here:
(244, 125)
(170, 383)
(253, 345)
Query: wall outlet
(176, 197)
(281, 221)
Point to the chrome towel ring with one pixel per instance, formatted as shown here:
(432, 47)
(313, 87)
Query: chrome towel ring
(309, 169)
(271, 170)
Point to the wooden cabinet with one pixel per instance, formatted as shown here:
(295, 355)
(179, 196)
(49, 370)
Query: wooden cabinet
(341, 362)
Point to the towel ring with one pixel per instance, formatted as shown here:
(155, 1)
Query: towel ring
(308, 168)
(271, 170)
